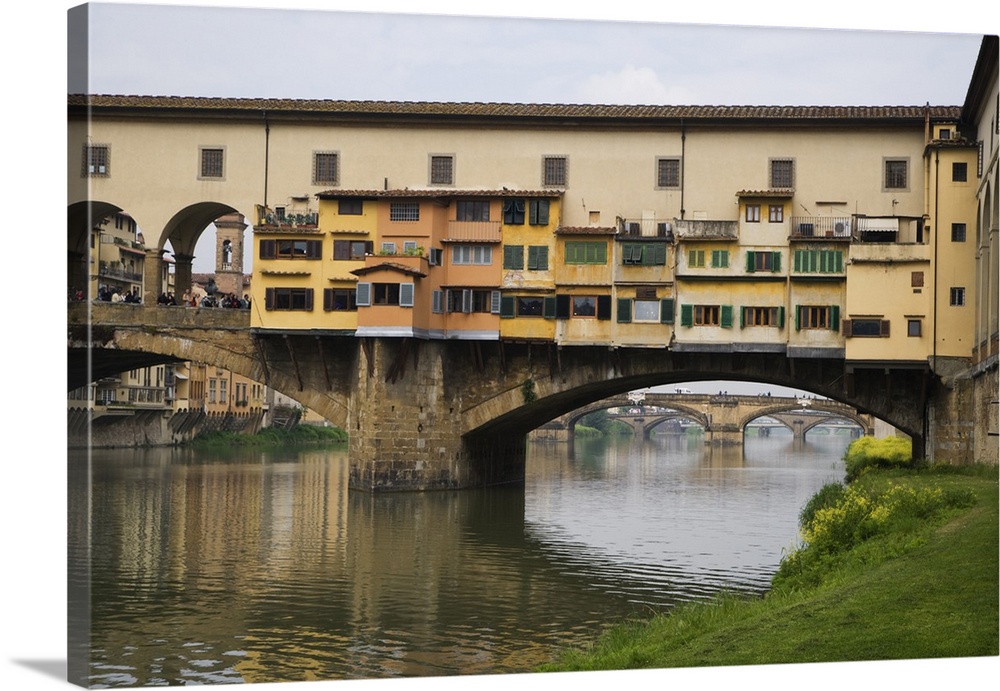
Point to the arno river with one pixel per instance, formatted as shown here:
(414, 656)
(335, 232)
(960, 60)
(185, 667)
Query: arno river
(261, 566)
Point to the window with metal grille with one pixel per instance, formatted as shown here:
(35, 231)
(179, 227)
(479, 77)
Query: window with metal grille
(211, 162)
(96, 160)
(554, 171)
(958, 232)
(896, 174)
(404, 211)
(956, 297)
(782, 173)
(325, 170)
(442, 170)
(959, 172)
(668, 172)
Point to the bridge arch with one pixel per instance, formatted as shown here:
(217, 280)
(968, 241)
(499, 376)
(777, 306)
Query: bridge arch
(836, 409)
(679, 414)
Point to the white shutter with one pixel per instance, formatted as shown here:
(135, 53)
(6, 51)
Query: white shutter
(437, 300)
(406, 295)
(495, 302)
(467, 301)
(364, 295)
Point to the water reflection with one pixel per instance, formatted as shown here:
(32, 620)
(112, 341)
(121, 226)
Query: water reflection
(263, 567)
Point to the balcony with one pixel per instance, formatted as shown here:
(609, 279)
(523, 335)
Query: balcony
(473, 231)
(644, 228)
(115, 270)
(821, 227)
(889, 253)
(707, 230)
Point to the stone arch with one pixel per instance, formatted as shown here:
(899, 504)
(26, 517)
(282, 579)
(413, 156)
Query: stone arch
(840, 410)
(679, 414)
(81, 217)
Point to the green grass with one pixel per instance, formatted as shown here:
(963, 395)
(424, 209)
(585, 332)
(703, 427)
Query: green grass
(923, 587)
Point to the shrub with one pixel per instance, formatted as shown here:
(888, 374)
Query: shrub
(868, 452)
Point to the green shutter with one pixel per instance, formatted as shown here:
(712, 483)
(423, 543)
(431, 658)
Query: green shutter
(835, 317)
(513, 256)
(549, 307)
(781, 317)
(775, 261)
(797, 261)
(687, 315)
(726, 318)
(624, 310)
(743, 317)
(838, 261)
(751, 262)
(538, 257)
(507, 303)
(667, 311)
(798, 317)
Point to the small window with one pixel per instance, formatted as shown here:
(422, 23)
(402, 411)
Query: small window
(584, 306)
(96, 160)
(753, 213)
(866, 328)
(466, 210)
(436, 256)
(960, 172)
(538, 212)
(554, 171)
(513, 212)
(211, 163)
(472, 254)
(290, 299)
(668, 173)
(776, 213)
(513, 257)
(782, 173)
(913, 328)
(958, 232)
(763, 261)
(351, 249)
(340, 300)
(325, 170)
(696, 259)
(916, 279)
(706, 315)
(763, 316)
(956, 297)
(442, 170)
(538, 257)
(586, 253)
(720, 259)
(404, 211)
(529, 306)
(350, 207)
(646, 310)
(896, 174)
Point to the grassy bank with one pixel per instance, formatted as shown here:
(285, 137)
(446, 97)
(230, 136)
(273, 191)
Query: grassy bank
(902, 564)
(270, 436)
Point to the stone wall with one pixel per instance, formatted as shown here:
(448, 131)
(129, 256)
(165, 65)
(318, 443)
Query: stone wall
(151, 427)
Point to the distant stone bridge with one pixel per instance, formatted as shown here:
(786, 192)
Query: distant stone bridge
(439, 414)
(724, 417)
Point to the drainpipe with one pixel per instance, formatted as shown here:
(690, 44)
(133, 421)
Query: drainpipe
(934, 293)
(267, 144)
(683, 162)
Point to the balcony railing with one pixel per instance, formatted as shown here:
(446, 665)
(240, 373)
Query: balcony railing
(812, 227)
(473, 231)
(645, 227)
(707, 230)
(112, 271)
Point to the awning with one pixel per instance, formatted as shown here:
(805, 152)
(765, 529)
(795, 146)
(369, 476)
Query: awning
(878, 225)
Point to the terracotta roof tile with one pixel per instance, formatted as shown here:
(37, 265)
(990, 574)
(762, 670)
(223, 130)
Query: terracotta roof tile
(509, 110)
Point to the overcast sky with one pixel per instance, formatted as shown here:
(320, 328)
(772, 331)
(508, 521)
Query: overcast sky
(180, 50)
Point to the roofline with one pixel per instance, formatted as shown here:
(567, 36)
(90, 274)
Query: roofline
(983, 78)
(552, 113)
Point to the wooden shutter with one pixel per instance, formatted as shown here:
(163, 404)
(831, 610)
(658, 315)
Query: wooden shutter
(563, 303)
(624, 310)
(781, 317)
(549, 307)
(775, 262)
(726, 318)
(364, 296)
(309, 299)
(513, 256)
(267, 249)
(751, 262)
(667, 311)
(687, 315)
(604, 307)
(314, 249)
(884, 328)
(268, 297)
(406, 295)
(327, 299)
(507, 306)
(835, 317)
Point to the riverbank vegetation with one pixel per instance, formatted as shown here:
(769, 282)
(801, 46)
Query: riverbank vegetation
(899, 562)
(600, 424)
(273, 436)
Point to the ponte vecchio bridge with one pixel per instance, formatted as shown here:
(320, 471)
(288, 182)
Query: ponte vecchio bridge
(724, 417)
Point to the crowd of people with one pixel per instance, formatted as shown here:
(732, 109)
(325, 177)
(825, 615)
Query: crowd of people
(189, 299)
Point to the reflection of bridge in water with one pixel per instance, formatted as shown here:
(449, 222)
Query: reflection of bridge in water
(724, 417)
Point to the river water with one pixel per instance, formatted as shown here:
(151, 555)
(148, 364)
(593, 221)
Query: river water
(251, 566)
